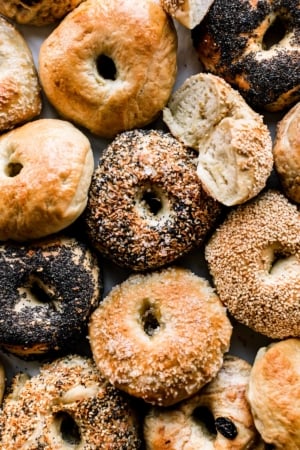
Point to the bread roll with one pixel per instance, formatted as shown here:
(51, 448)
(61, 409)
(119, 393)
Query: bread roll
(187, 12)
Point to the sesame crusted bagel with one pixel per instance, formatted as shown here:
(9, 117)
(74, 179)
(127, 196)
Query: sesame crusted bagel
(256, 49)
(48, 291)
(234, 144)
(67, 405)
(146, 205)
(160, 336)
(20, 98)
(274, 394)
(254, 258)
(217, 417)
(110, 66)
(46, 168)
(286, 152)
(37, 12)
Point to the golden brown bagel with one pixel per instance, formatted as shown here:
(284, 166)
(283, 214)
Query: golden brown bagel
(110, 65)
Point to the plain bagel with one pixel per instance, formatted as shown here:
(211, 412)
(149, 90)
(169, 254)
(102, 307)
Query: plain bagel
(110, 66)
(45, 173)
(20, 98)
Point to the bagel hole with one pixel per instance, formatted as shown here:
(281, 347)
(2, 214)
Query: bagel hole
(274, 34)
(149, 317)
(35, 293)
(106, 67)
(281, 262)
(204, 418)
(68, 429)
(152, 201)
(13, 169)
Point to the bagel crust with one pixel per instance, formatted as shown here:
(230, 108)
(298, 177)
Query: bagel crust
(286, 152)
(254, 259)
(38, 12)
(67, 394)
(110, 65)
(20, 97)
(217, 417)
(239, 47)
(161, 336)
(46, 168)
(146, 205)
(274, 393)
(49, 289)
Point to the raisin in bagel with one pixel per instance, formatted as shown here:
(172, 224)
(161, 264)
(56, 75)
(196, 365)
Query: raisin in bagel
(255, 46)
(46, 168)
(286, 152)
(254, 259)
(160, 336)
(110, 66)
(20, 98)
(37, 12)
(67, 405)
(49, 289)
(274, 394)
(146, 205)
(217, 417)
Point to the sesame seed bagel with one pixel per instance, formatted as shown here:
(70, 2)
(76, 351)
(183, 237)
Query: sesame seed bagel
(217, 417)
(68, 404)
(256, 49)
(20, 98)
(254, 258)
(110, 66)
(37, 12)
(160, 336)
(146, 205)
(48, 290)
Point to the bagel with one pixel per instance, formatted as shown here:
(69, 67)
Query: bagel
(233, 143)
(188, 13)
(149, 348)
(110, 66)
(254, 259)
(67, 404)
(37, 13)
(216, 417)
(46, 170)
(256, 49)
(286, 152)
(20, 96)
(274, 393)
(146, 206)
(49, 289)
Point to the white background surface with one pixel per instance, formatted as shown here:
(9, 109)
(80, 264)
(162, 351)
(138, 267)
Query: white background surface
(245, 343)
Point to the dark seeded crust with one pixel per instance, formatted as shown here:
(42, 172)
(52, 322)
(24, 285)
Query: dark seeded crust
(230, 45)
(32, 413)
(48, 290)
(120, 225)
(254, 258)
